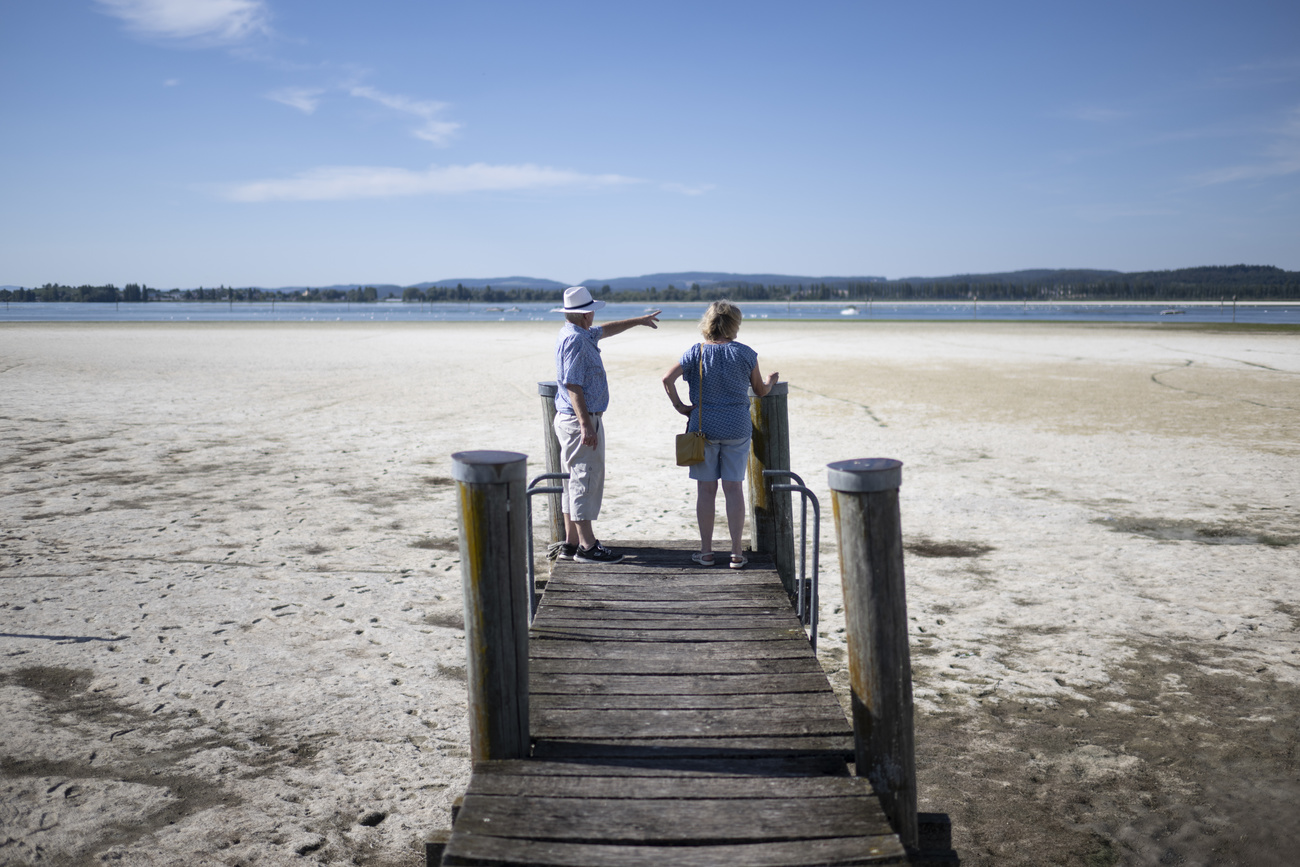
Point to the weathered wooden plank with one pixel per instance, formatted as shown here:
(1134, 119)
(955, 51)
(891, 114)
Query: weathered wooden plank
(669, 591)
(785, 648)
(696, 748)
(744, 603)
(687, 722)
(686, 613)
(704, 620)
(717, 768)
(756, 703)
(763, 598)
(667, 820)
(758, 633)
(661, 569)
(668, 586)
(633, 596)
(682, 788)
(686, 684)
(473, 849)
(679, 665)
(809, 701)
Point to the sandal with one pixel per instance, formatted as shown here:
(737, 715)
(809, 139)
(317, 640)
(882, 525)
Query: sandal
(704, 558)
(738, 561)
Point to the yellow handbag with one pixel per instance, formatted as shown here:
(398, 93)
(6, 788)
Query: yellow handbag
(690, 445)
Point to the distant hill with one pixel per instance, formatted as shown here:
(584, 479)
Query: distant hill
(1032, 276)
(708, 279)
(494, 282)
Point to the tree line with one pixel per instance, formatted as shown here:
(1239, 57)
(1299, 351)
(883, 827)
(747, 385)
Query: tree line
(137, 292)
(1215, 283)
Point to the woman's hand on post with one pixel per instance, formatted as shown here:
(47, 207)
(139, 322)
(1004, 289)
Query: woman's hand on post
(771, 379)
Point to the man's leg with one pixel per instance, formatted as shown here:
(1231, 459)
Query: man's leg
(585, 487)
(578, 532)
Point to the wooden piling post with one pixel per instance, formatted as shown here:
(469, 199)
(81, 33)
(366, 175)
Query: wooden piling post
(554, 502)
(771, 513)
(865, 497)
(493, 566)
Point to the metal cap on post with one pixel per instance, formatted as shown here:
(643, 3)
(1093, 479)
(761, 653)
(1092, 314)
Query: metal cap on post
(864, 493)
(865, 475)
(554, 502)
(771, 512)
(493, 550)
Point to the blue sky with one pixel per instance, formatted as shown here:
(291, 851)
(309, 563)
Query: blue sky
(311, 142)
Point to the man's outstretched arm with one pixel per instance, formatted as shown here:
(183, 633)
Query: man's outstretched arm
(609, 329)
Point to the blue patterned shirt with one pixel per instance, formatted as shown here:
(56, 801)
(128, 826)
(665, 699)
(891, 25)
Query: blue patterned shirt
(726, 388)
(577, 362)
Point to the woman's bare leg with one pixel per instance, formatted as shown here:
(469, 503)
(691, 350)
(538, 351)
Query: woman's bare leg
(706, 493)
(735, 495)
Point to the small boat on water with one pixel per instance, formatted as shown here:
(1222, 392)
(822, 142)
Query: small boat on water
(1172, 311)
(491, 309)
(849, 311)
(512, 310)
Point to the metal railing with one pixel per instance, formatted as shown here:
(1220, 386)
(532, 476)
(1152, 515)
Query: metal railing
(807, 598)
(532, 568)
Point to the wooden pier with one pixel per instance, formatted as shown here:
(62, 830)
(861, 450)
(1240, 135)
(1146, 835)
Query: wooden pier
(678, 716)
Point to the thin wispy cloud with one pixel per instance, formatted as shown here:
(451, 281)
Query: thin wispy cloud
(1279, 158)
(341, 183)
(206, 20)
(305, 99)
(432, 128)
(686, 189)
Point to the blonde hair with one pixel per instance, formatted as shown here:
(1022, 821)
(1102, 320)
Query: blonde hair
(721, 321)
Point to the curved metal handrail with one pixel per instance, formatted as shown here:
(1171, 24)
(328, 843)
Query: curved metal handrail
(532, 568)
(807, 597)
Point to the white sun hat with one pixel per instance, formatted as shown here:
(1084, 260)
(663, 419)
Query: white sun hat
(577, 299)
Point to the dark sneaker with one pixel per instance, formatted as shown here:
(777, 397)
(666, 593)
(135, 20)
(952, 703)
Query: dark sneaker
(562, 551)
(597, 553)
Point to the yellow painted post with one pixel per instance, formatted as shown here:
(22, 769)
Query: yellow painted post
(494, 575)
(771, 513)
(865, 497)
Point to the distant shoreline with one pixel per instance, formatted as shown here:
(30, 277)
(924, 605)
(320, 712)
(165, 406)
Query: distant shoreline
(848, 302)
(1163, 314)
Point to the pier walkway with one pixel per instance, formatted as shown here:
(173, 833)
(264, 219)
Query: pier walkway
(678, 716)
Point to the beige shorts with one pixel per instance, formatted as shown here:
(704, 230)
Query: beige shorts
(585, 465)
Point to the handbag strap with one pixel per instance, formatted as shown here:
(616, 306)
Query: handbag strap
(701, 421)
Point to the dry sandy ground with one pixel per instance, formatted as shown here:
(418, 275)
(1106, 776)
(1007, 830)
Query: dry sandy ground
(230, 617)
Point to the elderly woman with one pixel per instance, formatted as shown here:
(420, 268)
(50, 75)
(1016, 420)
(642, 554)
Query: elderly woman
(730, 369)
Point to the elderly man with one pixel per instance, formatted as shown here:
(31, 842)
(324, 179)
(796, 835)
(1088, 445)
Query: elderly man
(580, 402)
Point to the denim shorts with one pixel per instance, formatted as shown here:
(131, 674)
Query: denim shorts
(723, 459)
